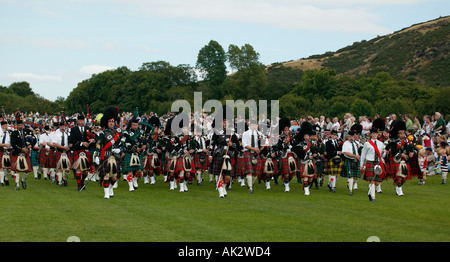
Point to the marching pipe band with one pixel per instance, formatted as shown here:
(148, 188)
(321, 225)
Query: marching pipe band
(147, 149)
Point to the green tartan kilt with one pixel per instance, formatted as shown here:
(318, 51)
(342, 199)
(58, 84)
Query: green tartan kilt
(125, 163)
(334, 169)
(35, 155)
(349, 171)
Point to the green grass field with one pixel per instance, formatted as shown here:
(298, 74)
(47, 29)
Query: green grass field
(46, 213)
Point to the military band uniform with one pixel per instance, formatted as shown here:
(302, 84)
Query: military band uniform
(5, 147)
(20, 155)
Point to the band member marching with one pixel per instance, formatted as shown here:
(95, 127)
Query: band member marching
(306, 156)
(60, 141)
(107, 152)
(371, 163)
(79, 143)
(288, 159)
(184, 168)
(5, 147)
(333, 150)
(201, 154)
(20, 154)
(46, 155)
(251, 141)
(318, 149)
(352, 158)
(153, 163)
(221, 141)
(134, 145)
(269, 163)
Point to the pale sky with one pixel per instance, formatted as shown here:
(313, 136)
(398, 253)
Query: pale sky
(56, 44)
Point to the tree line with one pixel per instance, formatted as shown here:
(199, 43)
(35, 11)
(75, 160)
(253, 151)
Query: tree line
(155, 85)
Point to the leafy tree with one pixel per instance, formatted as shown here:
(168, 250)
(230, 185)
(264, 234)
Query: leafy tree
(211, 61)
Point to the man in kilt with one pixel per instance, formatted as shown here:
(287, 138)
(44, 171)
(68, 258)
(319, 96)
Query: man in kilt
(269, 165)
(5, 146)
(153, 163)
(402, 152)
(35, 153)
(222, 139)
(134, 144)
(306, 156)
(79, 144)
(20, 154)
(46, 158)
(287, 158)
(351, 168)
(251, 141)
(201, 154)
(318, 150)
(107, 151)
(60, 141)
(333, 149)
(371, 162)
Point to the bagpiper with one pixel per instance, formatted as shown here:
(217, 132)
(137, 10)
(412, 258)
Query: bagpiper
(134, 144)
(79, 143)
(108, 151)
(306, 156)
(153, 163)
(5, 148)
(287, 157)
(20, 154)
(221, 141)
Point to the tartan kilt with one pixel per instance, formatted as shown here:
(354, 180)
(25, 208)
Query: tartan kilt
(126, 163)
(47, 161)
(216, 165)
(167, 164)
(414, 167)
(1, 157)
(76, 155)
(391, 167)
(284, 167)
(369, 172)
(334, 169)
(14, 162)
(34, 158)
(250, 168)
(198, 164)
(240, 166)
(348, 171)
(104, 168)
(302, 170)
(321, 167)
(148, 164)
(180, 166)
(263, 164)
(58, 157)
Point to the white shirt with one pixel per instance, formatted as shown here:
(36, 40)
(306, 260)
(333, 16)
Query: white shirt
(348, 147)
(57, 138)
(247, 138)
(4, 134)
(368, 153)
(45, 138)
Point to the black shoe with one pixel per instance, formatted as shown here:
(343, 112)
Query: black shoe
(65, 183)
(6, 182)
(24, 184)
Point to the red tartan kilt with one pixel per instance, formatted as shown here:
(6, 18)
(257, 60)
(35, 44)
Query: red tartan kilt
(369, 173)
(301, 168)
(47, 161)
(180, 167)
(148, 164)
(76, 154)
(414, 167)
(250, 168)
(198, 164)
(14, 162)
(263, 164)
(285, 164)
(58, 157)
(1, 157)
(391, 167)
